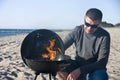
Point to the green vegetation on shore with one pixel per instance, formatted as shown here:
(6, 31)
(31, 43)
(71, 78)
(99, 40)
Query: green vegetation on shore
(105, 24)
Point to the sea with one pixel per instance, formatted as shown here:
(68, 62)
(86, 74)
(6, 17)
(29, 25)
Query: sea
(11, 32)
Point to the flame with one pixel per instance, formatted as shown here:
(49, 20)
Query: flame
(51, 53)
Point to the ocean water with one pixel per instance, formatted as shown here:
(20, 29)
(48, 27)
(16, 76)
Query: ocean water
(10, 32)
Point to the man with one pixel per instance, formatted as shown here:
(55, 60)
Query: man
(92, 49)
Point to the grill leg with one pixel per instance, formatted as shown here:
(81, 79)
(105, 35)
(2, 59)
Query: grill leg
(51, 77)
(36, 74)
(35, 77)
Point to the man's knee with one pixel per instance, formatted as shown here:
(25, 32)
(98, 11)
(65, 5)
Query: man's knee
(98, 75)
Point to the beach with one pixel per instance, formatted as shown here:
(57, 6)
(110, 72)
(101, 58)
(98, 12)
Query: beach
(12, 66)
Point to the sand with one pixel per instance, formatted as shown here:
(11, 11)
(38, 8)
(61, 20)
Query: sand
(13, 68)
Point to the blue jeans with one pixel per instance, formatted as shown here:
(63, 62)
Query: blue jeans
(98, 75)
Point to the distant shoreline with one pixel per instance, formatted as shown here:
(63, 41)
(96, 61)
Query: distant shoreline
(13, 32)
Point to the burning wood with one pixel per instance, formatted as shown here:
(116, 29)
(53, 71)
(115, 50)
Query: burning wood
(51, 53)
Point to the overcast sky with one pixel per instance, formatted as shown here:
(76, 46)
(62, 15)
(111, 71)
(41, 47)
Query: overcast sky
(53, 14)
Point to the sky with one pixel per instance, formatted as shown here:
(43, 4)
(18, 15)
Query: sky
(53, 14)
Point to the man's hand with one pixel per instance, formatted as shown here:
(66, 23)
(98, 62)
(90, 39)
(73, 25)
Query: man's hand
(74, 74)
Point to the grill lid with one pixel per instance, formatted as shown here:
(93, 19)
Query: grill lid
(40, 43)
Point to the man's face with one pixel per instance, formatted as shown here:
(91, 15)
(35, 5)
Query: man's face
(90, 25)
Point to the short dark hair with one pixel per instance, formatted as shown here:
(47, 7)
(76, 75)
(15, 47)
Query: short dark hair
(94, 14)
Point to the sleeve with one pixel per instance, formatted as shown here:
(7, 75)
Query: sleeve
(70, 38)
(102, 59)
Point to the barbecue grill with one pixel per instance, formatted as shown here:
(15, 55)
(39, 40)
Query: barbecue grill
(43, 51)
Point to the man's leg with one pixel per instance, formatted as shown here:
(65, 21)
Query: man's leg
(98, 75)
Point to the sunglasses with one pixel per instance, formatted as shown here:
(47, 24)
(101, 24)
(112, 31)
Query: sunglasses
(89, 25)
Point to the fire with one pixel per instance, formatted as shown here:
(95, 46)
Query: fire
(51, 53)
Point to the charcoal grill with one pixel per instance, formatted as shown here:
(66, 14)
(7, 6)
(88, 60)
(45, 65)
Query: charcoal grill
(43, 42)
